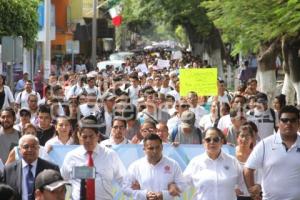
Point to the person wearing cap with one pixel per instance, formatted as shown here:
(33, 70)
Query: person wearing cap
(263, 116)
(20, 175)
(214, 174)
(50, 185)
(186, 132)
(106, 162)
(150, 177)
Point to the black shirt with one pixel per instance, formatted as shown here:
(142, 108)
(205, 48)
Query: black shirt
(45, 135)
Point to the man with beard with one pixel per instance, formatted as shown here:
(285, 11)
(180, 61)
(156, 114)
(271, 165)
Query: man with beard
(8, 135)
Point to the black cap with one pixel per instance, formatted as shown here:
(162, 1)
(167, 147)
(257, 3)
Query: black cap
(49, 179)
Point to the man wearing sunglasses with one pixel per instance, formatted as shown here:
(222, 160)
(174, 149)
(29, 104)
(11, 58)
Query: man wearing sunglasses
(278, 158)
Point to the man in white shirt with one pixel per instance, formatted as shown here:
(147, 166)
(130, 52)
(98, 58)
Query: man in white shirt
(118, 132)
(151, 177)
(194, 107)
(22, 97)
(91, 85)
(133, 90)
(76, 89)
(278, 157)
(106, 162)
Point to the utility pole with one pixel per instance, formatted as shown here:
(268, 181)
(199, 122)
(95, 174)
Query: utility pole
(47, 44)
(94, 33)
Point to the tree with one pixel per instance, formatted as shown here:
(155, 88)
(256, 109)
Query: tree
(19, 18)
(262, 27)
(201, 32)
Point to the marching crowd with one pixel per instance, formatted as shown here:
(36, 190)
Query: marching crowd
(141, 105)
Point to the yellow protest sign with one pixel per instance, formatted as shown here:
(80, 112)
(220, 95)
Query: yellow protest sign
(203, 81)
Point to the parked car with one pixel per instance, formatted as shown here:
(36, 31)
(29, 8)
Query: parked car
(117, 64)
(121, 55)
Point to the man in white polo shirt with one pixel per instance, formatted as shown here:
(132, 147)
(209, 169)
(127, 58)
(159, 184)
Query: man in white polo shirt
(153, 176)
(278, 157)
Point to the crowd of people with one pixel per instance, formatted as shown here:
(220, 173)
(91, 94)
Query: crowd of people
(136, 105)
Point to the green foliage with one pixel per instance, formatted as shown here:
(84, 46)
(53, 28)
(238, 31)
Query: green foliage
(168, 12)
(249, 24)
(181, 35)
(19, 18)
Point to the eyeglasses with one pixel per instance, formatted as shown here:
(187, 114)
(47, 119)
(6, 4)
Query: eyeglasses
(213, 139)
(286, 120)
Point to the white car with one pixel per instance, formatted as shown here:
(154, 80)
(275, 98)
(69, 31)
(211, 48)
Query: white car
(117, 64)
(120, 55)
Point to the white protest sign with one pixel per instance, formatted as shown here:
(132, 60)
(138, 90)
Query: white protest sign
(163, 64)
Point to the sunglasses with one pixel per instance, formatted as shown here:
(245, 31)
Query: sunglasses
(214, 139)
(184, 106)
(286, 120)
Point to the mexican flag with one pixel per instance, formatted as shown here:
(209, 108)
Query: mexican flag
(115, 12)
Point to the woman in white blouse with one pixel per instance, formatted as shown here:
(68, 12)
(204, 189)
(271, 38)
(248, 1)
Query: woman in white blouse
(214, 174)
(63, 134)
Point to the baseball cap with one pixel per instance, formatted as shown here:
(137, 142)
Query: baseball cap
(49, 179)
(187, 119)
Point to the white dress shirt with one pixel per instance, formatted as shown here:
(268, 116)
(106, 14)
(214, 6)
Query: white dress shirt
(154, 178)
(214, 179)
(24, 173)
(108, 167)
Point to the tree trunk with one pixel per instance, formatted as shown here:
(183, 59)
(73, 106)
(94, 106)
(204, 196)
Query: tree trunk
(209, 48)
(266, 68)
(290, 51)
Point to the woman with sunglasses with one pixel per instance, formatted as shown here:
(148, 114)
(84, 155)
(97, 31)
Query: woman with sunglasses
(214, 173)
